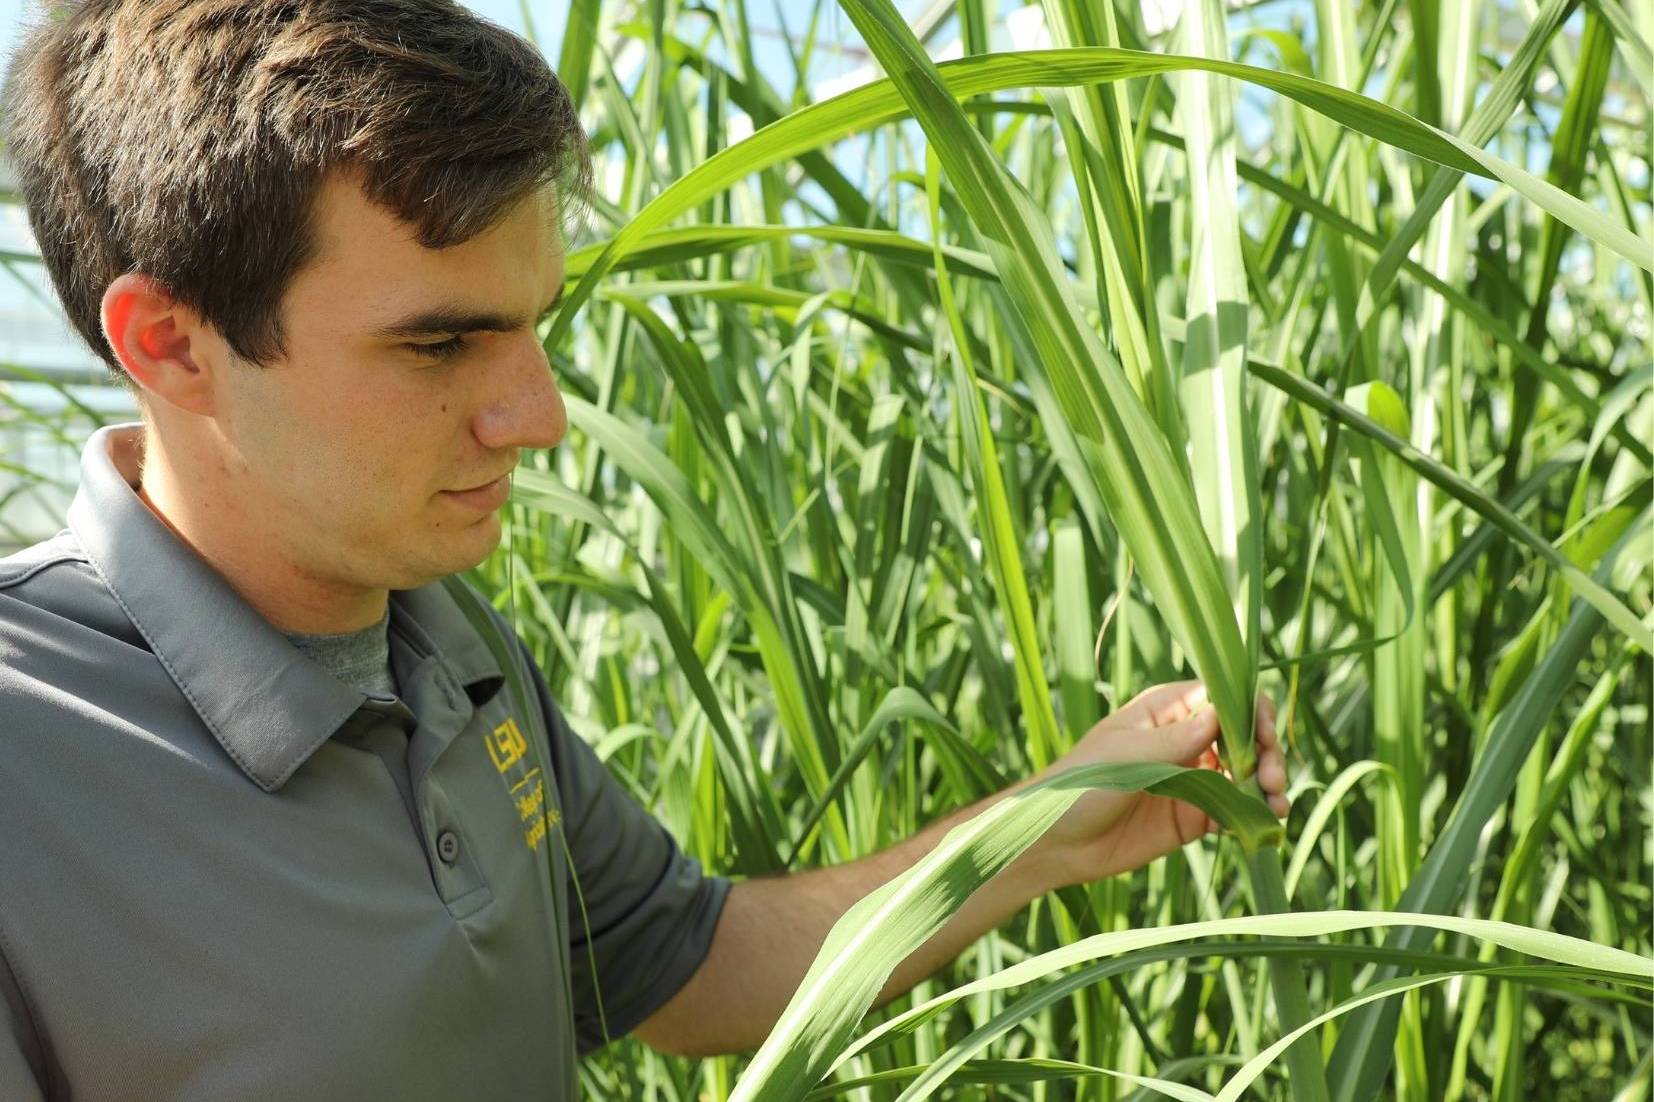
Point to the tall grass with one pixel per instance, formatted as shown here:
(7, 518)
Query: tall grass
(1302, 347)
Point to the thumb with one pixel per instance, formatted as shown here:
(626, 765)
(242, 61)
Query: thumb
(1186, 739)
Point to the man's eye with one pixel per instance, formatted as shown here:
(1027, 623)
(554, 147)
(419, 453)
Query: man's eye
(441, 350)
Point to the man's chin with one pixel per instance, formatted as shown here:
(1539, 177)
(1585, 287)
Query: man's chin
(478, 541)
(454, 552)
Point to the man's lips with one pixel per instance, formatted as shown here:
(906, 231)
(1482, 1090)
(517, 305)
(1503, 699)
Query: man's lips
(486, 498)
(484, 484)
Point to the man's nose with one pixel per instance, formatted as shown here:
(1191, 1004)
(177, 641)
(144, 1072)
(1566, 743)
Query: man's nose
(528, 410)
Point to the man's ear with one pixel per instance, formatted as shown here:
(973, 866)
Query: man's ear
(161, 343)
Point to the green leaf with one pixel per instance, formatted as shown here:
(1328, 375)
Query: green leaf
(881, 930)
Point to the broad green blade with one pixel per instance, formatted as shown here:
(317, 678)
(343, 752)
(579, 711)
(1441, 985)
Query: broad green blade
(881, 930)
(579, 39)
(1223, 450)
(953, 1066)
(986, 1072)
(1543, 944)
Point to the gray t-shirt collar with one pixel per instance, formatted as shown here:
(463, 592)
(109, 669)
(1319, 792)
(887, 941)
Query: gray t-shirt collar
(361, 659)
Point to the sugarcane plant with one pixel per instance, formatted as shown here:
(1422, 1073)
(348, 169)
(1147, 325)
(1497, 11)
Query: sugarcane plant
(1159, 453)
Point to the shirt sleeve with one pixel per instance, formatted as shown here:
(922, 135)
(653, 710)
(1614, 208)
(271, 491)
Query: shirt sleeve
(650, 909)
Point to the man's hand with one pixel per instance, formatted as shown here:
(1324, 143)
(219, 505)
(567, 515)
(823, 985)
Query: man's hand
(1105, 833)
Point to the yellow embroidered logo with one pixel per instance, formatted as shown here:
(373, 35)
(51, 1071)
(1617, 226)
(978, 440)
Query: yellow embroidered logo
(506, 747)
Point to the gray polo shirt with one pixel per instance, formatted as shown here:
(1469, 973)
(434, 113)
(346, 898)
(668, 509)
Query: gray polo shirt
(213, 886)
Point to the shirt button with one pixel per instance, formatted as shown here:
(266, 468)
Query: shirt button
(447, 847)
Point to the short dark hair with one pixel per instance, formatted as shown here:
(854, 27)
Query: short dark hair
(187, 140)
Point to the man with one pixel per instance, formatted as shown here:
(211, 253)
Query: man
(275, 825)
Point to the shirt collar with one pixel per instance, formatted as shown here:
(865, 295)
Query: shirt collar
(268, 705)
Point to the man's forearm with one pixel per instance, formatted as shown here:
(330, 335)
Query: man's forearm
(772, 928)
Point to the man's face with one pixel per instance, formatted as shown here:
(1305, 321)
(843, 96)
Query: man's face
(379, 446)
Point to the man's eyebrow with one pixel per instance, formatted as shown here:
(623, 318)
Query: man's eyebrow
(457, 319)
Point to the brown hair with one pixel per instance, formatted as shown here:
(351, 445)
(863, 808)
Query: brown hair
(187, 139)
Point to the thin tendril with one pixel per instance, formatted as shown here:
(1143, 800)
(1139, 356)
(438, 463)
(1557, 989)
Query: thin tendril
(545, 779)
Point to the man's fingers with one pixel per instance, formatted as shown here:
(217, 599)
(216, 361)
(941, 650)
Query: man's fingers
(1192, 737)
(1272, 779)
(1266, 734)
(1172, 702)
(1272, 772)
